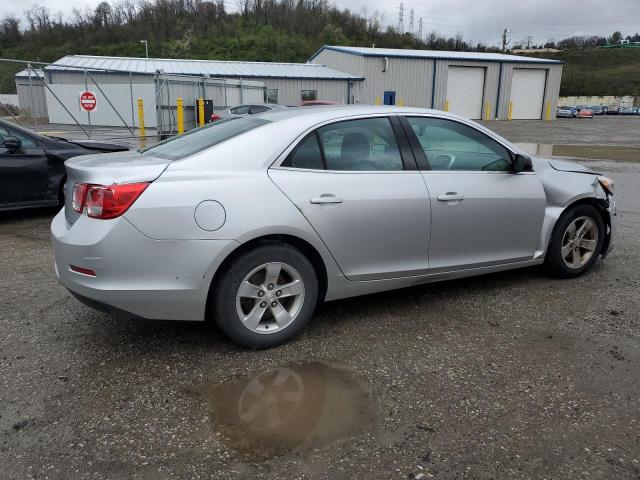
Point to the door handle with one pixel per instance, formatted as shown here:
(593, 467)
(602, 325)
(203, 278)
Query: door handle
(451, 197)
(325, 198)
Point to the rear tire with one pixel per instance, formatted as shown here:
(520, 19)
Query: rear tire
(576, 242)
(266, 296)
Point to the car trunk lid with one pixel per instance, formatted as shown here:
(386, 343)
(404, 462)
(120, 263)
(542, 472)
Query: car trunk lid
(109, 169)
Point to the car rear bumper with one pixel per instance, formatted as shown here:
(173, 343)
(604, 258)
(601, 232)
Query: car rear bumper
(134, 274)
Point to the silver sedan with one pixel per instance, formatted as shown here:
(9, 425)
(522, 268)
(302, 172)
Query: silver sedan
(252, 221)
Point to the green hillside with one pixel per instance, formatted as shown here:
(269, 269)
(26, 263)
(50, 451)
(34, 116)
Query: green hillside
(611, 71)
(271, 30)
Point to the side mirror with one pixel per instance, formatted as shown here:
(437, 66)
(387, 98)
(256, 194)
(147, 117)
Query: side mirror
(12, 143)
(522, 163)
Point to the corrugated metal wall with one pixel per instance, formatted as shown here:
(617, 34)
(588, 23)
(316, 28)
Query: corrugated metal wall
(410, 78)
(415, 85)
(289, 89)
(551, 93)
(32, 101)
(344, 62)
(492, 73)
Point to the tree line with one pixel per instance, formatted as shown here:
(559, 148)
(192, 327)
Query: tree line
(265, 30)
(579, 42)
(268, 30)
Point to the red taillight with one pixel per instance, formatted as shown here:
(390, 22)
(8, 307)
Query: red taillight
(82, 270)
(79, 194)
(215, 117)
(106, 201)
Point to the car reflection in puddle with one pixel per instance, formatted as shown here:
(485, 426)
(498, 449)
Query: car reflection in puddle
(297, 406)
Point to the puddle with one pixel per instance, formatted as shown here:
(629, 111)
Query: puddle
(298, 406)
(627, 153)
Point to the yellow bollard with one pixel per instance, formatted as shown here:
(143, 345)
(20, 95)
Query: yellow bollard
(487, 111)
(401, 102)
(201, 111)
(510, 114)
(446, 105)
(180, 114)
(141, 131)
(548, 111)
(377, 101)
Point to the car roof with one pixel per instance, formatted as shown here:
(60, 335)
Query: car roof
(321, 113)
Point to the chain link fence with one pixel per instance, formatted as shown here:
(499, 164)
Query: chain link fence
(137, 107)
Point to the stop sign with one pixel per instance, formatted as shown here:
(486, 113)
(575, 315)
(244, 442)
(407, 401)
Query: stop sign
(88, 101)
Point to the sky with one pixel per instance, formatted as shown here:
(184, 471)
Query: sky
(477, 20)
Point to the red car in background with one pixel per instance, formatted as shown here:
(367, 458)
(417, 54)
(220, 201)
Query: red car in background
(585, 113)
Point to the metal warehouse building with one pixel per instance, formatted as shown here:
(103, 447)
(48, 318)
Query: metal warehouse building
(31, 93)
(476, 85)
(119, 81)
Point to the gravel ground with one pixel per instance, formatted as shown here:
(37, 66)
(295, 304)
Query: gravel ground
(506, 375)
(599, 130)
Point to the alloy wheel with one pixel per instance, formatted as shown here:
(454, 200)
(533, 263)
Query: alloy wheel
(579, 242)
(270, 297)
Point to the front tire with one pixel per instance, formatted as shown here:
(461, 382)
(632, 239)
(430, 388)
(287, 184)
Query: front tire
(576, 242)
(266, 296)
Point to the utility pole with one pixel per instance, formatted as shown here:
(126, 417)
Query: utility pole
(420, 29)
(505, 41)
(401, 19)
(411, 22)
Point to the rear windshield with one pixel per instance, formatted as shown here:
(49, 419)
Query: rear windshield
(199, 139)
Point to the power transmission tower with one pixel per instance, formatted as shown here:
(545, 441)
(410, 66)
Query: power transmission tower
(505, 40)
(411, 22)
(401, 18)
(420, 28)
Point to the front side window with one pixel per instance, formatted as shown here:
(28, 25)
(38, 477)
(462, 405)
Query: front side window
(199, 139)
(450, 145)
(366, 144)
(27, 142)
(271, 95)
(308, 95)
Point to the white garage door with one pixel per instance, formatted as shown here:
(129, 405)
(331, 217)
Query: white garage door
(527, 93)
(465, 88)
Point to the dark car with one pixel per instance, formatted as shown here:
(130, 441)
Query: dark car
(597, 110)
(612, 110)
(32, 170)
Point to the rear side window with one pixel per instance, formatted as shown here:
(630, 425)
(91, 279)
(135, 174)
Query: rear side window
(367, 145)
(354, 145)
(199, 139)
(306, 154)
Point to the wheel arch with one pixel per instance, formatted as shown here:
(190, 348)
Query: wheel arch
(306, 248)
(599, 204)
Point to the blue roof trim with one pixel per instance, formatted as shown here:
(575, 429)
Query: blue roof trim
(541, 61)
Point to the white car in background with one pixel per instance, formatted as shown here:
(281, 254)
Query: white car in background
(242, 110)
